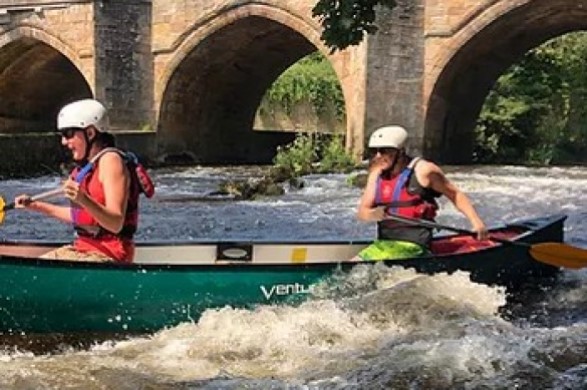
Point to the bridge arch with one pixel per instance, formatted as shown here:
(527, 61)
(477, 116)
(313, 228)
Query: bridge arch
(477, 54)
(214, 84)
(39, 74)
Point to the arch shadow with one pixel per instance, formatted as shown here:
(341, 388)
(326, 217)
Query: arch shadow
(218, 80)
(36, 80)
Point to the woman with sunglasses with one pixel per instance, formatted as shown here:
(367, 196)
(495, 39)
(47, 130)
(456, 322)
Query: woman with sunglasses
(101, 189)
(400, 185)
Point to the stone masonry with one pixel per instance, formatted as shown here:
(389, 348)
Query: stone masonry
(195, 71)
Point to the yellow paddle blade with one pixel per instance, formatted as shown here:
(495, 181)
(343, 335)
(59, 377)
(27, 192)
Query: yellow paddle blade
(559, 255)
(2, 204)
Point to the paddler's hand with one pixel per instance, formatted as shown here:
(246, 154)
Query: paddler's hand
(481, 231)
(378, 164)
(22, 201)
(378, 213)
(72, 191)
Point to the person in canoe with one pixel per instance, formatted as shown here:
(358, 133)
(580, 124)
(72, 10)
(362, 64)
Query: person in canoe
(103, 188)
(398, 184)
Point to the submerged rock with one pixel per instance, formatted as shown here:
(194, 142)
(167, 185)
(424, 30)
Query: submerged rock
(358, 180)
(251, 188)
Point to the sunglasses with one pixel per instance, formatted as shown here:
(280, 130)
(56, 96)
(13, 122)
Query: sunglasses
(374, 151)
(69, 132)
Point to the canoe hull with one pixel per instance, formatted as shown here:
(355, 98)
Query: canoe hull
(508, 265)
(41, 296)
(109, 299)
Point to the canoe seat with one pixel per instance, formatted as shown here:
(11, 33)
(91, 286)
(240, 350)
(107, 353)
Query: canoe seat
(465, 244)
(458, 245)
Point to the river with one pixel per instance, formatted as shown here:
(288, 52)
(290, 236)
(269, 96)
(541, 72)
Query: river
(391, 328)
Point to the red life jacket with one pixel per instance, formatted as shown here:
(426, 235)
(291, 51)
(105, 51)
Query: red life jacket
(403, 195)
(91, 236)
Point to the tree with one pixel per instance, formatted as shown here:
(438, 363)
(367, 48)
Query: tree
(535, 112)
(346, 22)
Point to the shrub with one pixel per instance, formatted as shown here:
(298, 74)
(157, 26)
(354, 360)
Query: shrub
(335, 158)
(297, 158)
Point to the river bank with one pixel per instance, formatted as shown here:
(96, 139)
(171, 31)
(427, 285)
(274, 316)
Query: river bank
(36, 154)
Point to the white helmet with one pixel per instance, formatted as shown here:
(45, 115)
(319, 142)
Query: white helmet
(82, 114)
(389, 137)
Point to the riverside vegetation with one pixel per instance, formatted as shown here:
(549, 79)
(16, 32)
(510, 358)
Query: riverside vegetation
(310, 80)
(307, 154)
(536, 112)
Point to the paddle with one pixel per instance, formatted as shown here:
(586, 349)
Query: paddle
(44, 195)
(552, 253)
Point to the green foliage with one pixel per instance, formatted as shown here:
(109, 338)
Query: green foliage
(536, 111)
(358, 180)
(310, 153)
(311, 79)
(346, 22)
(335, 158)
(297, 157)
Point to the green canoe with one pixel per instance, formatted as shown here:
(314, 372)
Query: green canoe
(171, 283)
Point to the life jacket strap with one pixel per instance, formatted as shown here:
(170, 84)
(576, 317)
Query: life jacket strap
(403, 203)
(127, 232)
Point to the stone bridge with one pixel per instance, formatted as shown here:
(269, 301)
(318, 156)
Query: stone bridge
(195, 71)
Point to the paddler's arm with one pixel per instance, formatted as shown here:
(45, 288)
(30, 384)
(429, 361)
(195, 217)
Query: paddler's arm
(367, 212)
(431, 176)
(115, 180)
(63, 213)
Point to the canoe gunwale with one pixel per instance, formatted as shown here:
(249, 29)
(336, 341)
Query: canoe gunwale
(533, 225)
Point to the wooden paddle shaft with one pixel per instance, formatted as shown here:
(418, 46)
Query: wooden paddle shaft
(434, 225)
(428, 224)
(557, 254)
(41, 196)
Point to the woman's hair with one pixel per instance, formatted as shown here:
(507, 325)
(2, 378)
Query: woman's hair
(105, 139)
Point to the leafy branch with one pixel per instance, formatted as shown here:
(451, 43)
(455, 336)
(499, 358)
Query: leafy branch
(346, 22)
